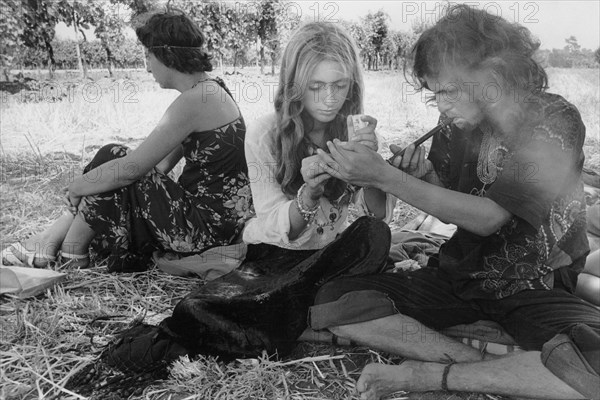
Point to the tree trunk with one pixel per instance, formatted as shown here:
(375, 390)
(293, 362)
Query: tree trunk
(273, 57)
(51, 61)
(50, 70)
(77, 49)
(80, 64)
(109, 59)
(262, 58)
(257, 51)
(6, 73)
(144, 58)
(85, 66)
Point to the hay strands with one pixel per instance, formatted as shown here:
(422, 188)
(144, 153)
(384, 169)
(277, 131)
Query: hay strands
(312, 360)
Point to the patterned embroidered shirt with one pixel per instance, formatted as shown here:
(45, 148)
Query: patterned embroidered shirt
(538, 180)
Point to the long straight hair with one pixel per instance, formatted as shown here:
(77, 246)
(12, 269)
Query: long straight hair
(310, 45)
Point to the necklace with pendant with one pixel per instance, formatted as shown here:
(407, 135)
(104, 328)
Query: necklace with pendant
(491, 155)
(335, 210)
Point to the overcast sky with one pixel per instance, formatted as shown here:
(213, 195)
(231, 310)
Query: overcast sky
(551, 21)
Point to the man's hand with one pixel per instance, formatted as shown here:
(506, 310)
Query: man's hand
(70, 201)
(365, 136)
(413, 162)
(353, 163)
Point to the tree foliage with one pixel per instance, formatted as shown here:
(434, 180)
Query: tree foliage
(237, 33)
(242, 29)
(377, 44)
(126, 55)
(110, 25)
(570, 56)
(209, 17)
(376, 32)
(11, 29)
(266, 25)
(40, 18)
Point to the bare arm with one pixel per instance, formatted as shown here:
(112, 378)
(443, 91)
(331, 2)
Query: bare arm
(178, 121)
(479, 215)
(361, 166)
(170, 161)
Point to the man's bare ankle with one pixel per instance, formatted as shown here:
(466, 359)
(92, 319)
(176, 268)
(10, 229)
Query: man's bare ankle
(429, 374)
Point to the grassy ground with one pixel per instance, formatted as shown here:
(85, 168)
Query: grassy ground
(50, 132)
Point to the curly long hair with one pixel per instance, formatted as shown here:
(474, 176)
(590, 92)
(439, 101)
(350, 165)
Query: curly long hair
(310, 45)
(475, 39)
(176, 41)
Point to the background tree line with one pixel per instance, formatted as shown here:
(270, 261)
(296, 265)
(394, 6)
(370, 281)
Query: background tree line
(237, 34)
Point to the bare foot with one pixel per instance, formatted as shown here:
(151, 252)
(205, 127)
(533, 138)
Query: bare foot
(378, 380)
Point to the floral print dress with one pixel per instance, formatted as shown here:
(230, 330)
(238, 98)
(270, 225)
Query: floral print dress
(206, 207)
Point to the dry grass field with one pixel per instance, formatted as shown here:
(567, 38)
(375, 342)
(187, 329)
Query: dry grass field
(46, 136)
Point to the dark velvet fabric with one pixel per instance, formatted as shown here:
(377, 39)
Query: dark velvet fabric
(263, 304)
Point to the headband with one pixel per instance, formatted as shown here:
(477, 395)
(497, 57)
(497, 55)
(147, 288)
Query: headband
(168, 46)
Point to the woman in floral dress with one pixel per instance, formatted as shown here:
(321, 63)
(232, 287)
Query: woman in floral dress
(125, 205)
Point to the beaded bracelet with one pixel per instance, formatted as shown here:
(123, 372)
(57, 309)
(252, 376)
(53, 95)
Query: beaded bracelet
(307, 213)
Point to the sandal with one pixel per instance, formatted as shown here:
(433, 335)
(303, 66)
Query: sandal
(75, 260)
(17, 255)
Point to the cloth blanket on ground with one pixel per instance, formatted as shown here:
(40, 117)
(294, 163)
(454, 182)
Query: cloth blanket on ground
(26, 282)
(416, 241)
(208, 265)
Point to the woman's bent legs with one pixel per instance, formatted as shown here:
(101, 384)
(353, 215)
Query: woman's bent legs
(44, 245)
(77, 241)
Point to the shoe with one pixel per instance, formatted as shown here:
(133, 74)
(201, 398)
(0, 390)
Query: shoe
(17, 255)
